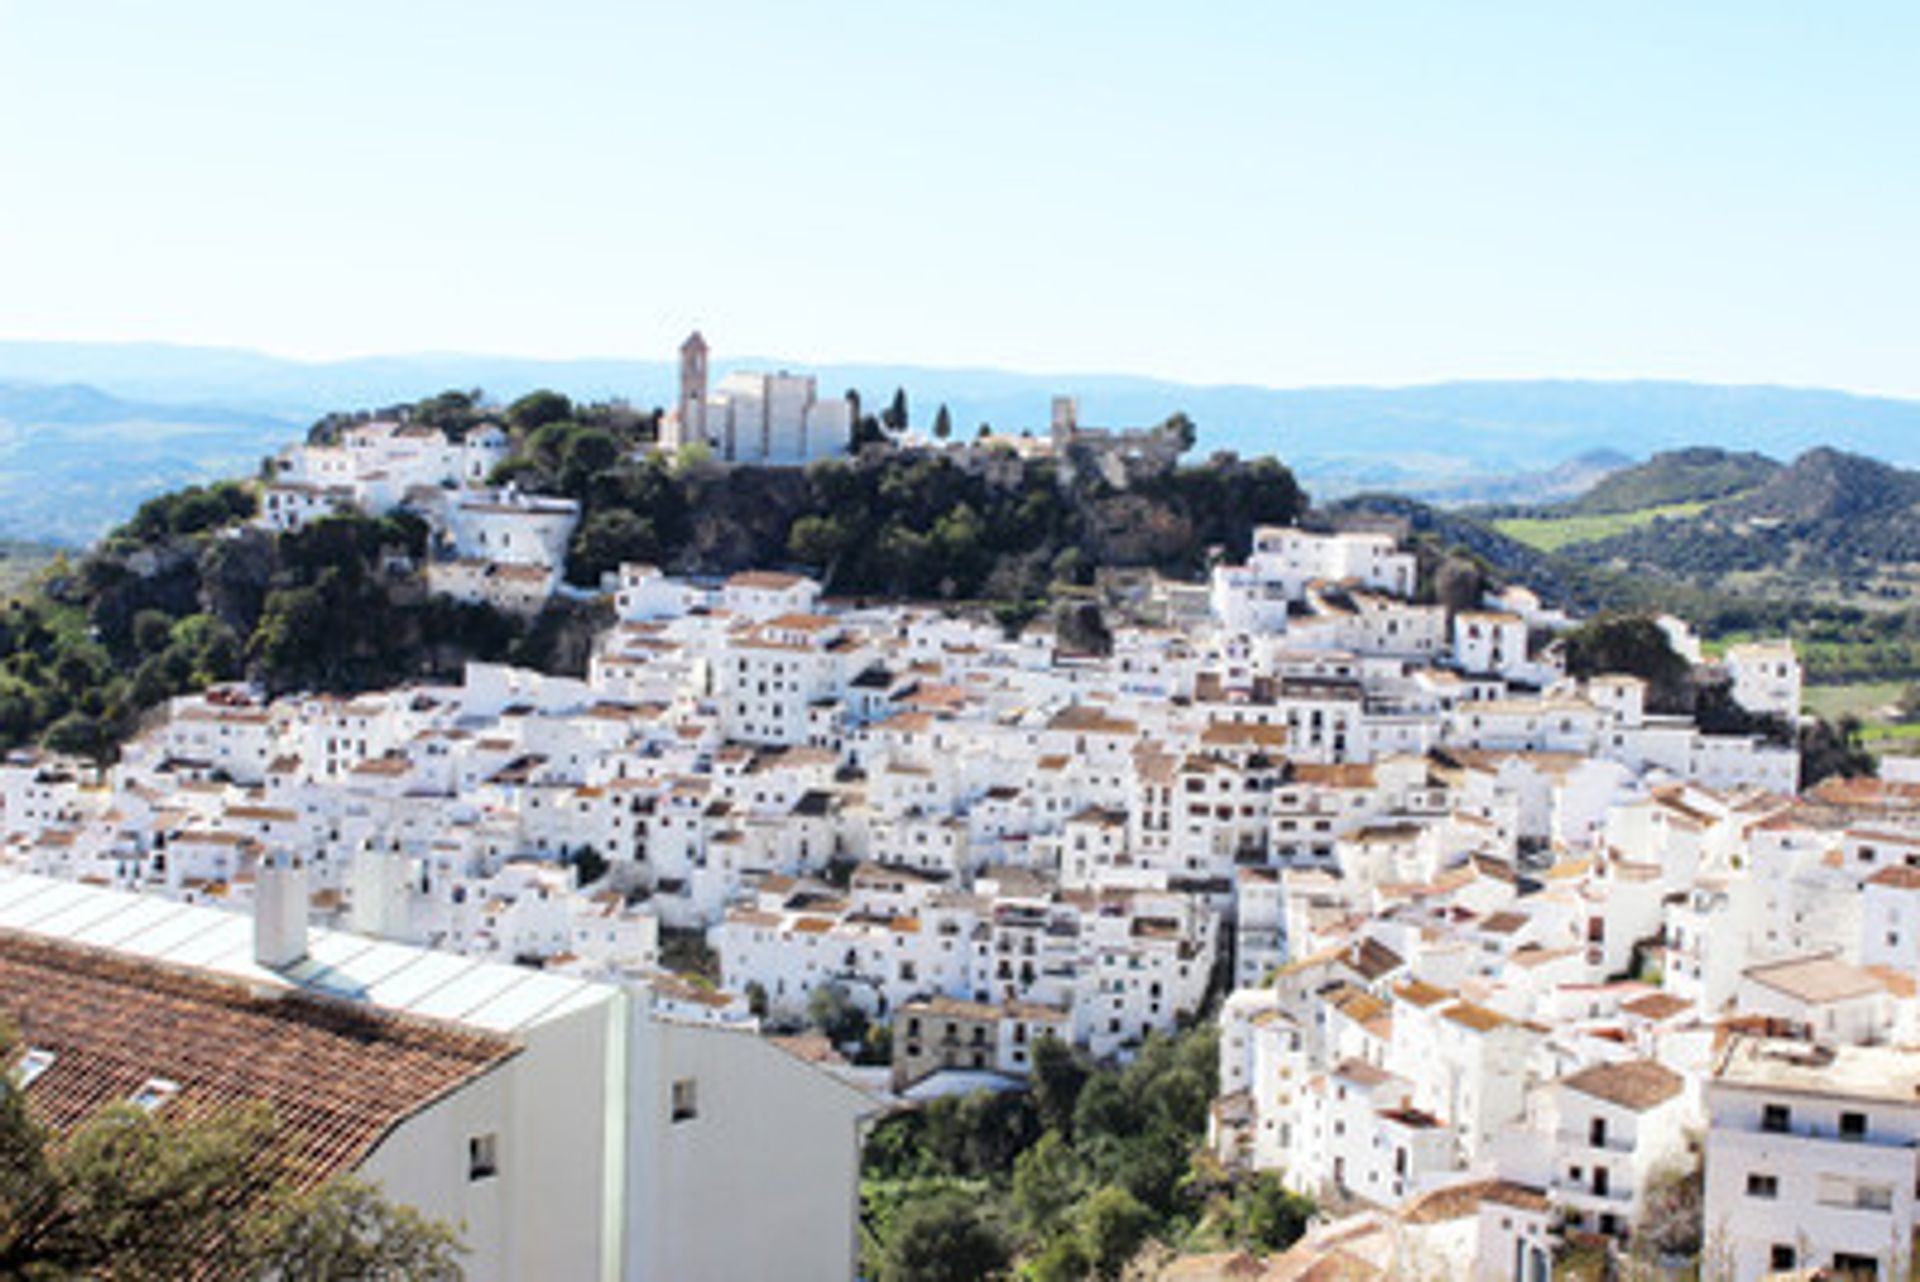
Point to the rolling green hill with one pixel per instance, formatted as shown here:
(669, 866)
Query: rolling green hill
(1696, 475)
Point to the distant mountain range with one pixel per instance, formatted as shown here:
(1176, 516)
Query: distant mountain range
(75, 460)
(87, 429)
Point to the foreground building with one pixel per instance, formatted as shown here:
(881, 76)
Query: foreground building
(566, 1127)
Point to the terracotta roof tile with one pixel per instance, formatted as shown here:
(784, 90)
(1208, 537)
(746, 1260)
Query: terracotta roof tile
(337, 1077)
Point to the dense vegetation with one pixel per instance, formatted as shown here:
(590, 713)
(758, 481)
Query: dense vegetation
(1697, 475)
(185, 593)
(1824, 551)
(183, 596)
(891, 522)
(1070, 1180)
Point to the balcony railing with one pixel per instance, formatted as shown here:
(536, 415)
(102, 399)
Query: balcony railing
(1572, 1139)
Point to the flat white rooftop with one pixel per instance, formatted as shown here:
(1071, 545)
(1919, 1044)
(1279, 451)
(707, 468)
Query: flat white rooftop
(491, 996)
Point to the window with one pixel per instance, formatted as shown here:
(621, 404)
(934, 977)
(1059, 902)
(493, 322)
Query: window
(483, 1156)
(35, 1062)
(686, 1101)
(1597, 1133)
(1853, 1126)
(1602, 1183)
(1767, 1186)
(1776, 1118)
(1782, 1258)
(154, 1093)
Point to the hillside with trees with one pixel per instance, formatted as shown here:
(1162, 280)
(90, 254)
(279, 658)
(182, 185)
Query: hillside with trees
(187, 592)
(1700, 474)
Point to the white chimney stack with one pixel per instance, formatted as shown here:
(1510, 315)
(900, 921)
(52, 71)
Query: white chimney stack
(280, 911)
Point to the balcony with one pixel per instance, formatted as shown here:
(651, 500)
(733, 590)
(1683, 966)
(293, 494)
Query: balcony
(1580, 1194)
(1571, 1141)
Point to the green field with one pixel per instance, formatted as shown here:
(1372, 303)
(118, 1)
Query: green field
(1868, 700)
(1551, 533)
(1873, 703)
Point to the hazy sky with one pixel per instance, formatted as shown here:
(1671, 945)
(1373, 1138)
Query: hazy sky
(1266, 192)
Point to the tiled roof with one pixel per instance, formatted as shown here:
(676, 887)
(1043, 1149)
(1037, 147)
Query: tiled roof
(337, 1077)
(1637, 1085)
(1815, 980)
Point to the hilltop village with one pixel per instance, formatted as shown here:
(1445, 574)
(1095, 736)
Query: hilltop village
(1499, 955)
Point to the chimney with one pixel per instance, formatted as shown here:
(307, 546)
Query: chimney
(280, 911)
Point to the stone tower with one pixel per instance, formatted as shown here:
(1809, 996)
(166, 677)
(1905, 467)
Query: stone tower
(693, 388)
(1066, 420)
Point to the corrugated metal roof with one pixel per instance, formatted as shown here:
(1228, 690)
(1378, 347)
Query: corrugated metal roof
(403, 978)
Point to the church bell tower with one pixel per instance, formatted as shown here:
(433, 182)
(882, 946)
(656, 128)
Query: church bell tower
(693, 388)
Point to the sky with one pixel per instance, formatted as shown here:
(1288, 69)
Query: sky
(1274, 193)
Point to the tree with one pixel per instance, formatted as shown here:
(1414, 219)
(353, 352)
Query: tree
(1458, 585)
(1046, 1181)
(79, 735)
(818, 541)
(138, 1196)
(1833, 750)
(895, 415)
(1064, 1260)
(606, 540)
(585, 454)
(1673, 1217)
(942, 422)
(1181, 429)
(832, 1011)
(1269, 1217)
(1634, 644)
(1058, 1076)
(537, 409)
(1113, 1226)
(589, 866)
(1082, 627)
(152, 630)
(346, 1232)
(943, 1239)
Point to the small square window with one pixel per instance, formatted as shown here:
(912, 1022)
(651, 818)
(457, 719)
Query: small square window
(483, 1156)
(33, 1063)
(1776, 1118)
(154, 1093)
(1853, 1126)
(1764, 1186)
(686, 1100)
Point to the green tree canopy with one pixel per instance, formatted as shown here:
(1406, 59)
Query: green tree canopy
(1113, 1226)
(1636, 645)
(537, 409)
(944, 1239)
